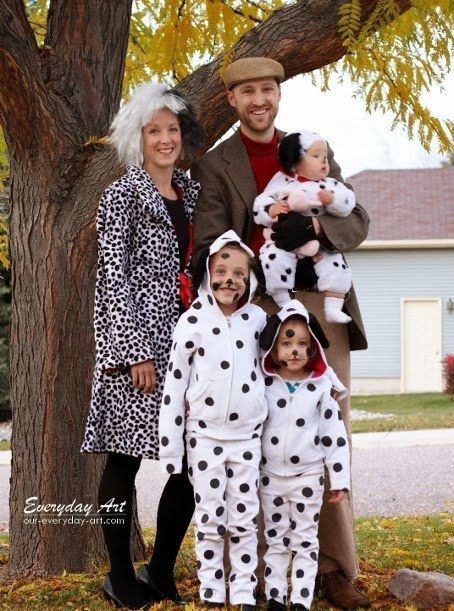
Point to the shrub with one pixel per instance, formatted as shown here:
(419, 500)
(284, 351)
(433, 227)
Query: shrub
(448, 374)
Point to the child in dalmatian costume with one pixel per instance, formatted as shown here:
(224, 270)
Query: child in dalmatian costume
(303, 433)
(304, 186)
(214, 394)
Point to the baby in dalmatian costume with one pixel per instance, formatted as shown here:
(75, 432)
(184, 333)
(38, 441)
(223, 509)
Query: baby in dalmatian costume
(304, 432)
(214, 393)
(304, 186)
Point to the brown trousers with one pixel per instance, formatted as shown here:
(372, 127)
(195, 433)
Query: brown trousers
(336, 528)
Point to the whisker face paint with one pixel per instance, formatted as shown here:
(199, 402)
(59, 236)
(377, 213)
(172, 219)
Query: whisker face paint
(229, 277)
(291, 349)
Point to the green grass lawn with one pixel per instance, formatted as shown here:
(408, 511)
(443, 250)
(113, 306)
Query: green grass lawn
(411, 412)
(384, 545)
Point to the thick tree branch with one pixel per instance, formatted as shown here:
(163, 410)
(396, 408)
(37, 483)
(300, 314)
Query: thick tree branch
(22, 92)
(302, 36)
(85, 68)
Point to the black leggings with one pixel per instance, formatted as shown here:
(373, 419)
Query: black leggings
(175, 510)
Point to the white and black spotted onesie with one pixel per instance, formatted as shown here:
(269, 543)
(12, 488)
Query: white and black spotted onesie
(214, 391)
(278, 265)
(136, 309)
(303, 432)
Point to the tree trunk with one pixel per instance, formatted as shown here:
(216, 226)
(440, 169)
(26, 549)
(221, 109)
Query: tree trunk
(53, 252)
(51, 102)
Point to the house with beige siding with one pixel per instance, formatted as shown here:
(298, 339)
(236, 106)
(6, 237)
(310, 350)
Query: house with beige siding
(404, 278)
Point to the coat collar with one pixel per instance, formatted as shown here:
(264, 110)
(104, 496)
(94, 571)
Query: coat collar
(150, 197)
(239, 167)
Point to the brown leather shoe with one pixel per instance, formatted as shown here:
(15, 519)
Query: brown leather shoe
(340, 591)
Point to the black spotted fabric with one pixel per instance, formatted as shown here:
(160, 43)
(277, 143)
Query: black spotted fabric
(303, 431)
(136, 309)
(279, 266)
(291, 510)
(214, 384)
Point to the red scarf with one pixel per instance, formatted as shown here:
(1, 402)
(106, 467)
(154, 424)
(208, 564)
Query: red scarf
(186, 294)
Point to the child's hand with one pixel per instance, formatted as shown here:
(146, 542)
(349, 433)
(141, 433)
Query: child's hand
(276, 209)
(336, 496)
(326, 197)
(335, 394)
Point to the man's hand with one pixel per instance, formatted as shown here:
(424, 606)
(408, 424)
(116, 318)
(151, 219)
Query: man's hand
(326, 197)
(144, 376)
(293, 231)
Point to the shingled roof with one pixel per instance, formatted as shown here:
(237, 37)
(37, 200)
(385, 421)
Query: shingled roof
(407, 204)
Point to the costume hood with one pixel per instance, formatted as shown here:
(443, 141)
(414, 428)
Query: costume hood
(293, 146)
(270, 332)
(205, 291)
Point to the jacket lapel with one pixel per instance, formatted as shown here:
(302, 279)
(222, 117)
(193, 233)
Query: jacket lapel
(239, 169)
(190, 189)
(149, 196)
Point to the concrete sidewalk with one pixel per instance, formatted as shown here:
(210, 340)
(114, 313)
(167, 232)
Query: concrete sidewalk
(386, 439)
(404, 439)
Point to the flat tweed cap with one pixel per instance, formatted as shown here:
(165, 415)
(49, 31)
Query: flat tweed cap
(251, 68)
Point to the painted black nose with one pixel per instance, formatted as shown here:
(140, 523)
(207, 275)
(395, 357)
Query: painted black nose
(229, 282)
(295, 353)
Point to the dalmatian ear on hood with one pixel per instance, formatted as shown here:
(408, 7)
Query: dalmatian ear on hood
(289, 151)
(318, 331)
(268, 334)
(200, 270)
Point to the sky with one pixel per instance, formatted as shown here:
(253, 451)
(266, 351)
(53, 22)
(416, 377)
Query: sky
(360, 141)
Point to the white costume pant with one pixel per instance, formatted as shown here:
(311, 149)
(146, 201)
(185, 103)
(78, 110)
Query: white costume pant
(291, 508)
(225, 478)
(279, 267)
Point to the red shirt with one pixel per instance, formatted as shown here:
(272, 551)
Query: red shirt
(264, 163)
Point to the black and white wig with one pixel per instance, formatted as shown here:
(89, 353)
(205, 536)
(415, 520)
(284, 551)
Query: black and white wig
(293, 146)
(146, 100)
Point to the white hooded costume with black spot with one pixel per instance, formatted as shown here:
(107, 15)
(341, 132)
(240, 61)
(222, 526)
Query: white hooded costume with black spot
(214, 392)
(279, 266)
(304, 432)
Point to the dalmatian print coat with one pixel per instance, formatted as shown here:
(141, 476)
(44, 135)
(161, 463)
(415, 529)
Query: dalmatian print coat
(136, 310)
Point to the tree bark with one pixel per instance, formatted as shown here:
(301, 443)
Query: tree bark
(52, 100)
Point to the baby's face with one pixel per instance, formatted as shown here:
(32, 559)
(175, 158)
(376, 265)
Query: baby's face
(293, 343)
(314, 163)
(229, 275)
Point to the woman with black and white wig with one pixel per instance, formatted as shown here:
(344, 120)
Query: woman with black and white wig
(143, 284)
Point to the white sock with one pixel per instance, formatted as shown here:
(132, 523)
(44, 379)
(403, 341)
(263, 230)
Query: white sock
(281, 297)
(333, 310)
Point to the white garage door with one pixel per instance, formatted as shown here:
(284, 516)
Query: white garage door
(421, 345)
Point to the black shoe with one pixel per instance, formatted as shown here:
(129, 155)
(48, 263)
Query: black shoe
(157, 594)
(298, 607)
(274, 605)
(110, 595)
(246, 607)
(212, 605)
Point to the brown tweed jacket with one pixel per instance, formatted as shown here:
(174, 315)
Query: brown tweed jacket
(226, 200)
